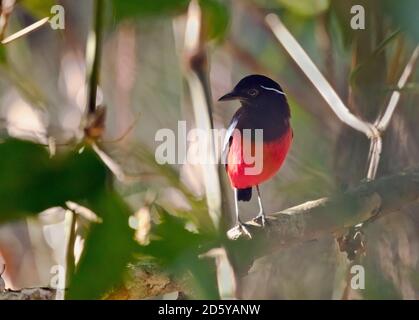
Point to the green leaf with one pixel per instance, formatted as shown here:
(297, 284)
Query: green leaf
(144, 8)
(3, 54)
(216, 18)
(108, 249)
(178, 250)
(305, 7)
(374, 55)
(31, 182)
(215, 13)
(38, 8)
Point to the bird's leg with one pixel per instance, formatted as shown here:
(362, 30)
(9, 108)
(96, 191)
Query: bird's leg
(239, 224)
(260, 218)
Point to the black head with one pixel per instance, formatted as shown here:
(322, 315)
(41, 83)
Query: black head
(256, 90)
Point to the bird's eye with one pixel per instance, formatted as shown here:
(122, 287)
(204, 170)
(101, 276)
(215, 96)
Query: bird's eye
(253, 92)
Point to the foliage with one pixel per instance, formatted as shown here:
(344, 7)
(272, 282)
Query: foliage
(215, 13)
(305, 7)
(180, 252)
(80, 177)
(38, 8)
(28, 189)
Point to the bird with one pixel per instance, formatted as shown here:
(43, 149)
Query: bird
(264, 106)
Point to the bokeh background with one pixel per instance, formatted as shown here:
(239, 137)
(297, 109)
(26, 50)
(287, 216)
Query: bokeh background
(143, 84)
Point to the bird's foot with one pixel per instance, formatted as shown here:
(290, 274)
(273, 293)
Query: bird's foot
(237, 231)
(260, 219)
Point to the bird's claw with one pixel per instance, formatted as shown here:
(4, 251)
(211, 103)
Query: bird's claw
(244, 230)
(260, 220)
(238, 230)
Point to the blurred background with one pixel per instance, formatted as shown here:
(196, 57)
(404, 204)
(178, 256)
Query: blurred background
(145, 85)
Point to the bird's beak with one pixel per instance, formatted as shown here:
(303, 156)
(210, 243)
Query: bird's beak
(229, 96)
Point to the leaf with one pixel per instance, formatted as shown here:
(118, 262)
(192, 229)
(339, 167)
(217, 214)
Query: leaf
(31, 182)
(374, 55)
(108, 249)
(408, 88)
(38, 8)
(215, 13)
(216, 18)
(3, 54)
(135, 9)
(179, 250)
(305, 7)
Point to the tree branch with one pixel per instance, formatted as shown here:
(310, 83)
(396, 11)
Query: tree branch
(142, 282)
(383, 122)
(330, 216)
(93, 53)
(28, 294)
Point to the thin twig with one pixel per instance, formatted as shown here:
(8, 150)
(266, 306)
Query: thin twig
(71, 234)
(93, 53)
(110, 163)
(300, 57)
(126, 132)
(376, 145)
(201, 101)
(294, 49)
(25, 31)
(196, 74)
(383, 122)
(93, 65)
(6, 9)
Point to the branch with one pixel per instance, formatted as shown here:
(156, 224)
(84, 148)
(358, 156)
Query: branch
(28, 294)
(301, 58)
(325, 89)
(145, 282)
(25, 31)
(6, 8)
(331, 216)
(93, 53)
(372, 131)
(142, 282)
(383, 123)
(197, 77)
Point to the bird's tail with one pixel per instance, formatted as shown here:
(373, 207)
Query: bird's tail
(244, 194)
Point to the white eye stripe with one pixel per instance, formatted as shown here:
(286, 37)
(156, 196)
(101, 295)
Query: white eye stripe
(272, 89)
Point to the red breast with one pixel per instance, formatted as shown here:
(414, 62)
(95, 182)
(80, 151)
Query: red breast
(240, 171)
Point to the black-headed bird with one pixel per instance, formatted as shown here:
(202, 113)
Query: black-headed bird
(263, 106)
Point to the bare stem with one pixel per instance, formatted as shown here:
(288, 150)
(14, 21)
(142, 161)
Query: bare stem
(93, 53)
(70, 259)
